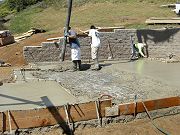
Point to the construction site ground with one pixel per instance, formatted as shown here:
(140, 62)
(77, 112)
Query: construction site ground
(122, 79)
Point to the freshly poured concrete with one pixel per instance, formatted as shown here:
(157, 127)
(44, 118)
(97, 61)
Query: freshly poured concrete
(29, 95)
(121, 79)
(167, 72)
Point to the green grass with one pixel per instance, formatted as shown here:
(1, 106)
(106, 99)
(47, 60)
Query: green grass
(129, 13)
(4, 10)
(23, 21)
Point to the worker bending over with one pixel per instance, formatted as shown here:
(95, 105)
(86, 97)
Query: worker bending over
(137, 50)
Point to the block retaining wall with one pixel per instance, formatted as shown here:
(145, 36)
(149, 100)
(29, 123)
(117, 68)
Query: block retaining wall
(160, 43)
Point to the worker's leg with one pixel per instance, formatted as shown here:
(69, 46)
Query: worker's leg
(76, 56)
(134, 52)
(94, 54)
(79, 65)
(96, 64)
(1, 83)
(74, 65)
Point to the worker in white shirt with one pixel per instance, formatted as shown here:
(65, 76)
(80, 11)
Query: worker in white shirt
(95, 44)
(138, 47)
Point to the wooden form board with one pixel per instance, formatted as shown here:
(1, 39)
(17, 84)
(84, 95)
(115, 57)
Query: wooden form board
(78, 112)
(130, 108)
(51, 115)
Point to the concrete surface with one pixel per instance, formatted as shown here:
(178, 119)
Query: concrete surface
(121, 79)
(167, 72)
(30, 95)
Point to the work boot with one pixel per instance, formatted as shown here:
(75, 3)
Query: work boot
(1, 83)
(96, 65)
(79, 65)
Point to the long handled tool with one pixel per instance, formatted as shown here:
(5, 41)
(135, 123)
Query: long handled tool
(66, 30)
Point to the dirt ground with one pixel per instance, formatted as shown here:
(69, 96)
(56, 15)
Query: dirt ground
(137, 127)
(14, 54)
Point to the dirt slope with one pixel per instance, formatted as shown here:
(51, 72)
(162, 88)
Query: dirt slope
(13, 53)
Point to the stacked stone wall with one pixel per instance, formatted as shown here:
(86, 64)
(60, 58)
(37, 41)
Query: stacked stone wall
(161, 43)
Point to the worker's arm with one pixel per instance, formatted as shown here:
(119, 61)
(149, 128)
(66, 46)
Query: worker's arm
(85, 32)
(140, 51)
(71, 36)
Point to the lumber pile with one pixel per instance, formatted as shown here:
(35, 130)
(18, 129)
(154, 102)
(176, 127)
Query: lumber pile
(28, 34)
(6, 38)
(155, 20)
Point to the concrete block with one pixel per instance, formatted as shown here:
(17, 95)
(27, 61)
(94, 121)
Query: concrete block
(112, 111)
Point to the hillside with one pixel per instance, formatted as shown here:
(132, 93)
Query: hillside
(130, 13)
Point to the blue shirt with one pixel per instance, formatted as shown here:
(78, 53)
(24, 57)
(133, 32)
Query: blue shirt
(74, 42)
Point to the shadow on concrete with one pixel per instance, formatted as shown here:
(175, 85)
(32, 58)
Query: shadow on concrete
(85, 67)
(55, 113)
(19, 99)
(105, 65)
(45, 101)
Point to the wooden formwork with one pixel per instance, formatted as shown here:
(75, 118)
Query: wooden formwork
(19, 119)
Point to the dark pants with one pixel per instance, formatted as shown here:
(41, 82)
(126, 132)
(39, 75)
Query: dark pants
(76, 64)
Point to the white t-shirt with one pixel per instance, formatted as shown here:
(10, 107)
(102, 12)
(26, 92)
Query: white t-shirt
(95, 37)
(140, 46)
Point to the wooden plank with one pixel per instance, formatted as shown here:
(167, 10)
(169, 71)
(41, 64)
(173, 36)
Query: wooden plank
(78, 112)
(53, 115)
(169, 5)
(55, 38)
(126, 109)
(83, 112)
(164, 18)
(163, 21)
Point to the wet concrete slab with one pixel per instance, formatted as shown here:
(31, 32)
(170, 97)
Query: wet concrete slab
(167, 72)
(30, 95)
(121, 79)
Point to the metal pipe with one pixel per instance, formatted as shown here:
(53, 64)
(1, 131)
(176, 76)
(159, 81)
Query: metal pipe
(66, 30)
